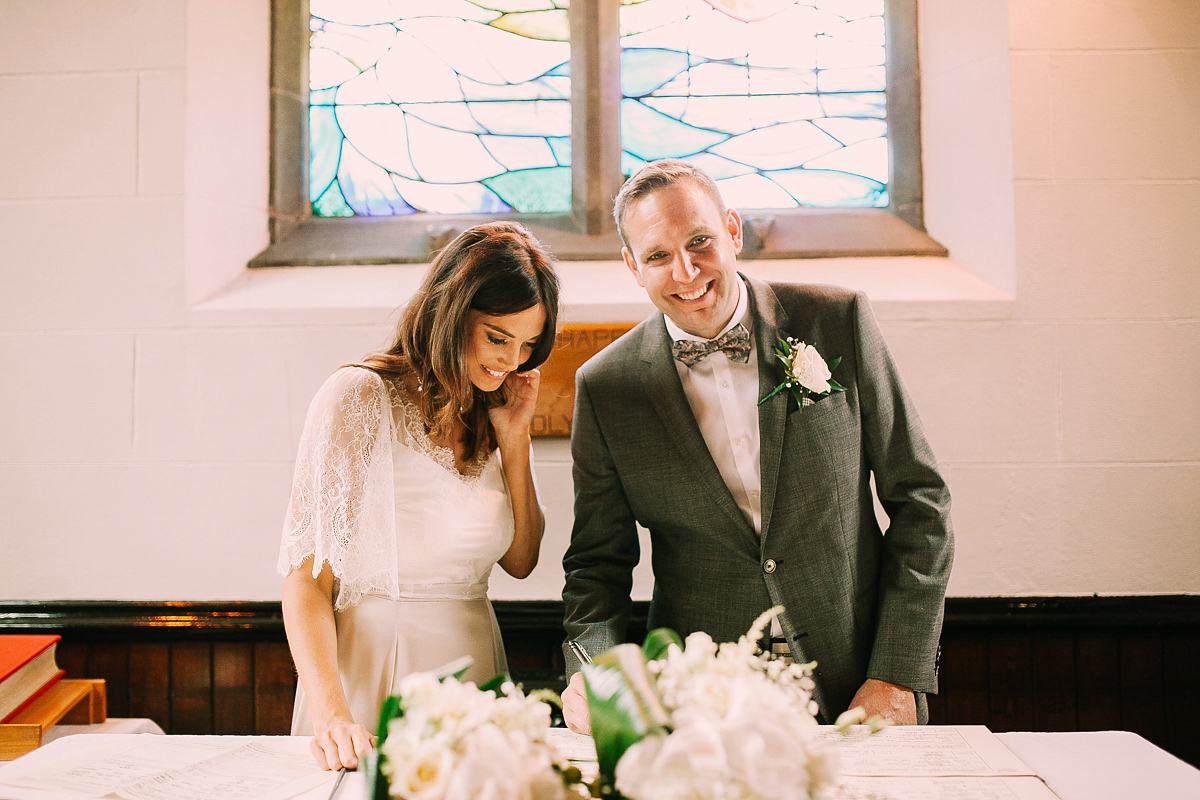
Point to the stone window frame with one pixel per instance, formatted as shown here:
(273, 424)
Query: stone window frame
(586, 232)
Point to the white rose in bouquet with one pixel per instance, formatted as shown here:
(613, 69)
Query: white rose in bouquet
(453, 741)
(422, 771)
(809, 369)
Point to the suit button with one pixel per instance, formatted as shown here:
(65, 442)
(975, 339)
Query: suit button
(769, 566)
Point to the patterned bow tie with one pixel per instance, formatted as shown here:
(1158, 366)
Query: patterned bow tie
(735, 343)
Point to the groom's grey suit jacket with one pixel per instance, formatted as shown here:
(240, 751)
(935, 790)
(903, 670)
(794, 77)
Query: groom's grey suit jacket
(860, 602)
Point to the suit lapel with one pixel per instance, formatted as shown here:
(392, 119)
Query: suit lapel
(770, 321)
(660, 380)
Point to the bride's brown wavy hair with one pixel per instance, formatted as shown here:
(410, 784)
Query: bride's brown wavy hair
(497, 268)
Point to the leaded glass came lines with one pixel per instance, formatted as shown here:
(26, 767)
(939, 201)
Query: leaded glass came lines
(442, 106)
(463, 106)
(782, 101)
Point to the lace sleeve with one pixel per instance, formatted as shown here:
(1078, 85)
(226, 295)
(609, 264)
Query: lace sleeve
(342, 509)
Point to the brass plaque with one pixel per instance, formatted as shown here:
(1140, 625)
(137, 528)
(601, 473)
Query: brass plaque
(574, 345)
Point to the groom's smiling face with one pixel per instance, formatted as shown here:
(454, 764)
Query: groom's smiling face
(683, 250)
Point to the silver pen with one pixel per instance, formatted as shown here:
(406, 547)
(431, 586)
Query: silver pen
(338, 783)
(579, 652)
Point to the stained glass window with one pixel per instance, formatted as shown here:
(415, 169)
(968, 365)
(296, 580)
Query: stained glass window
(463, 106)
(781, 101)
(442, 106)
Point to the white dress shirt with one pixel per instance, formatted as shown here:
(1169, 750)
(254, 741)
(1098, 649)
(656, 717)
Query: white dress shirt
(723, 395)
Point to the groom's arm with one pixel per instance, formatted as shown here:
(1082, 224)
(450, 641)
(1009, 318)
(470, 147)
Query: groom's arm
(918, 547)
(604, 545)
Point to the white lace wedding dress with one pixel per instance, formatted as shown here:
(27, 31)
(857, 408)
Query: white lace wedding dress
(410, 540)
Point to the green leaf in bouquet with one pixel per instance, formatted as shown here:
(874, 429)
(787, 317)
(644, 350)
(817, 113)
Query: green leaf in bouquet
(456, 668)
(377, 788)
(623, 704)
(377, 785)
(392, 707)
(658, 641)
(496, 681)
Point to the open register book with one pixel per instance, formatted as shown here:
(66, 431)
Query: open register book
(960, 762)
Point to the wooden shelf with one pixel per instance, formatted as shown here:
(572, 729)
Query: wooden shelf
(71, 702)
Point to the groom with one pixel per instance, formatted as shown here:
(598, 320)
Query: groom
(750, 506)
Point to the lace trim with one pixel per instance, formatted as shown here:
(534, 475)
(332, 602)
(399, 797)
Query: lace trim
(417, 438)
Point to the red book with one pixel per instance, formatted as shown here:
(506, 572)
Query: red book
(27, 669)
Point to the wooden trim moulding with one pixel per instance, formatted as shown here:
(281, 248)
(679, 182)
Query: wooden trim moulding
(224, 620)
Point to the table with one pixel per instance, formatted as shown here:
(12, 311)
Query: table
(110, 725)
(1105, 765)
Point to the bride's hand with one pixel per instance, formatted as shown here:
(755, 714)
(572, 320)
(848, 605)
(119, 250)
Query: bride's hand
(511, 420)
(341, 744)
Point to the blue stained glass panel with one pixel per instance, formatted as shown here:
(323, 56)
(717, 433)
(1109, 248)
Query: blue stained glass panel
(650, 134)
(644, 70)
(783, 101)
(811, 187)
(323, 128)
(440, 106)
(463, 106)
(561, 145)
(368, 187)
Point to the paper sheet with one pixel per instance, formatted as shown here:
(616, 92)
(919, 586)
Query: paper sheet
(156, 768)
(1022, 788)
(919, 751)
(571, 745)
(100, 772)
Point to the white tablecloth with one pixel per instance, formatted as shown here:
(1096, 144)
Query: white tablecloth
(1106, 765)
(110, 725)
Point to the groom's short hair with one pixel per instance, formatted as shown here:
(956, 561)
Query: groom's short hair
(659, 175)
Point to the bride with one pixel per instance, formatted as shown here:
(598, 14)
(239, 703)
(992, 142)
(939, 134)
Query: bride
(414, 477)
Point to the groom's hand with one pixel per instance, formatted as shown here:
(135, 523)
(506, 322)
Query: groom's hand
(575, 709)
(888, 700)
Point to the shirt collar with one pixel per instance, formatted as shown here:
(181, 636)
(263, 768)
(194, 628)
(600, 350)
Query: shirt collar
(739, 315)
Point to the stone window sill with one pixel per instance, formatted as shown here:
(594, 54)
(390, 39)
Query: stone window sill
(905, 288)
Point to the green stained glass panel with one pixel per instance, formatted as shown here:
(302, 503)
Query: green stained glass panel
(332, 204)
(440, 106)
(782, 101)
(532, 191)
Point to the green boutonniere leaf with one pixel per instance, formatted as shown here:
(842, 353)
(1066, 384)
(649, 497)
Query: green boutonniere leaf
(786, 352)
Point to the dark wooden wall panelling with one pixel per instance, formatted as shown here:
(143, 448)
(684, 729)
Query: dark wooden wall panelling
(1032, 664)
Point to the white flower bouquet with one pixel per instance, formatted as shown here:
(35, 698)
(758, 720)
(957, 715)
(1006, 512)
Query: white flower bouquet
(695, 720)
(440, 739)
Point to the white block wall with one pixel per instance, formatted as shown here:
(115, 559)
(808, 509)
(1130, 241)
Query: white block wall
(151, 390)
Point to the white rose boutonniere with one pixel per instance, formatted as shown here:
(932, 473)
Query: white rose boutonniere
(805, 372)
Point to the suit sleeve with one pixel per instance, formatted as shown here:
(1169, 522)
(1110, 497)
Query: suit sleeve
(599, 561)
(918, 547)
